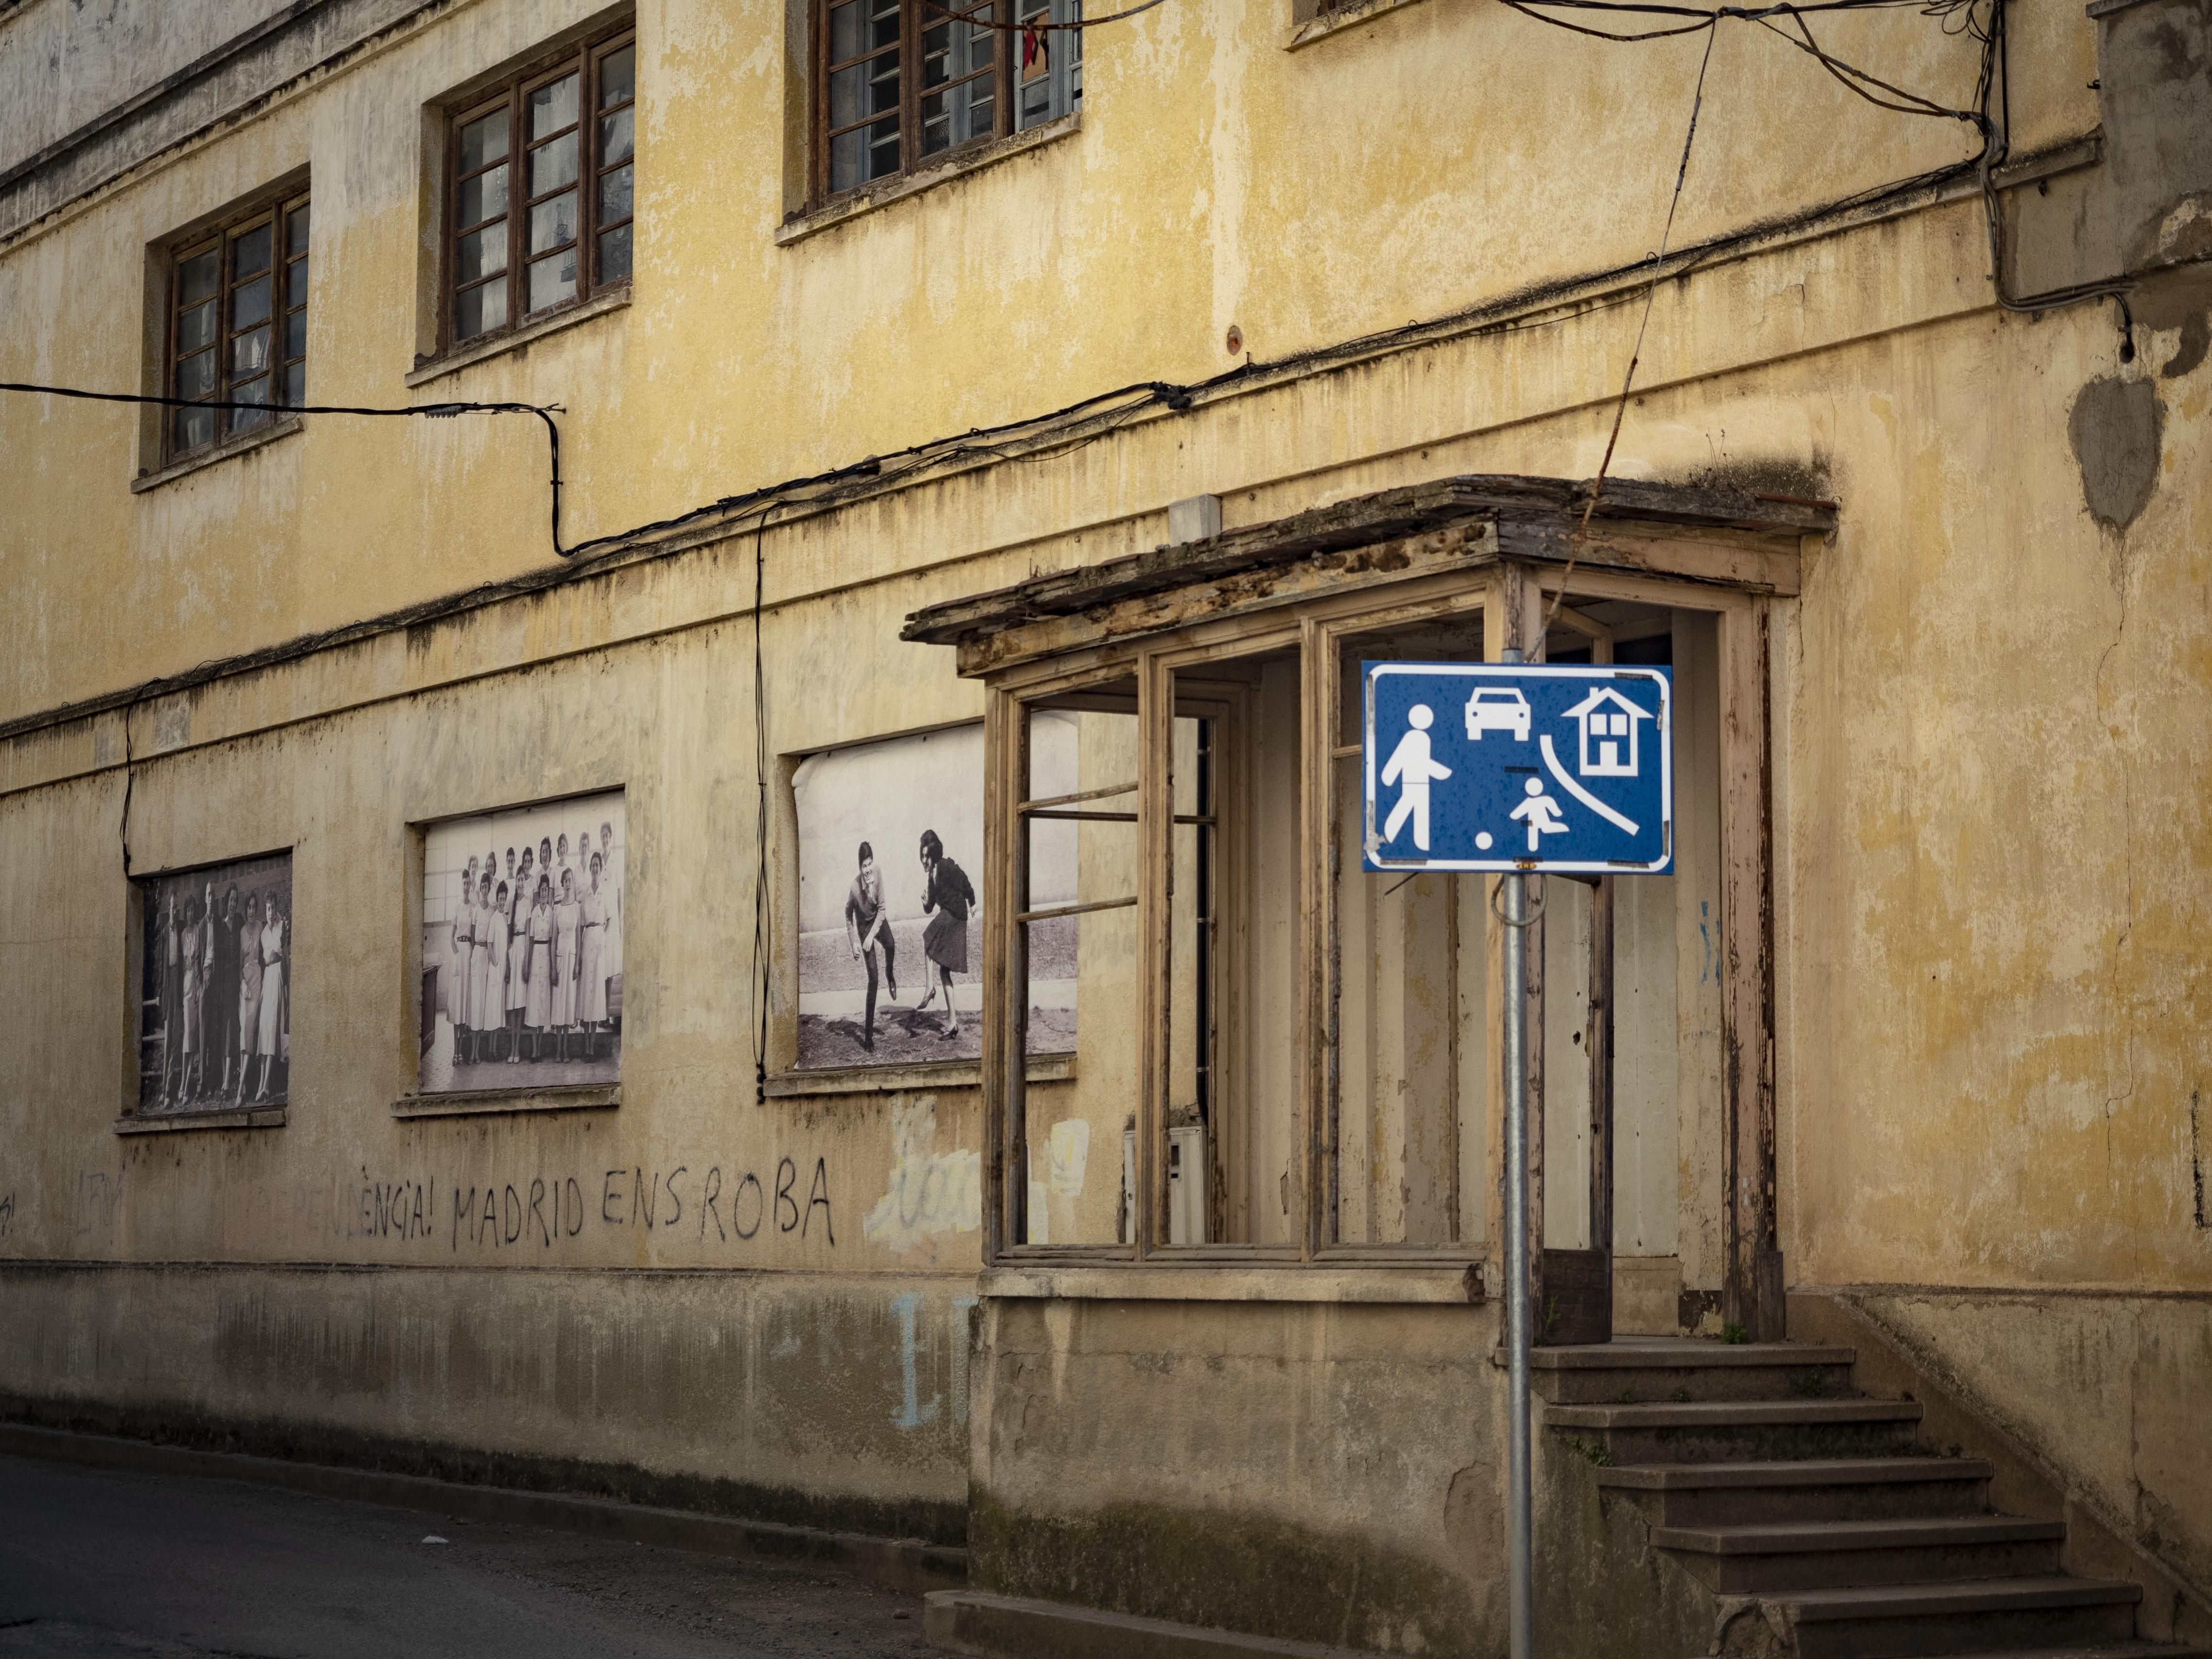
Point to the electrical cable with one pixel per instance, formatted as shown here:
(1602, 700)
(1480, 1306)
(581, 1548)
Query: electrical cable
(427, 412)
(760, 838)
(1955, 17)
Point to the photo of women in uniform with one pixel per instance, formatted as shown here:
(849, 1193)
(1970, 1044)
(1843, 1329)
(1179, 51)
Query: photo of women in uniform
(891, 838)
(215, 986)
(521, 952)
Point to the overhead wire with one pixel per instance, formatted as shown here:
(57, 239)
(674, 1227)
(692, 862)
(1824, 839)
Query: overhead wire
(1955, 18)
(1636, 352)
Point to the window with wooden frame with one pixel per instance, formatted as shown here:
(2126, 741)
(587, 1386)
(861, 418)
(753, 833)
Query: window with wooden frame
(1293, 1058)
(541, 190)
(237, 326)
(900, 84)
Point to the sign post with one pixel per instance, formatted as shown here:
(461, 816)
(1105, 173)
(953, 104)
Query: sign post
(1462, 762)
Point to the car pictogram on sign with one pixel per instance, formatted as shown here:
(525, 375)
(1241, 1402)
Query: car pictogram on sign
(1497, 709)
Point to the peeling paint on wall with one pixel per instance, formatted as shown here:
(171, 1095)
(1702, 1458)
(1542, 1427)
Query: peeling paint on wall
(931, 1192)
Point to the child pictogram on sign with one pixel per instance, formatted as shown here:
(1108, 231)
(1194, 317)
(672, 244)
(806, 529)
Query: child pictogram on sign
(1412, 767)
(1541, 811)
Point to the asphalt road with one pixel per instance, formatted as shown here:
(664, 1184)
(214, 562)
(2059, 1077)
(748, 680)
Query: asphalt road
(123, 1565)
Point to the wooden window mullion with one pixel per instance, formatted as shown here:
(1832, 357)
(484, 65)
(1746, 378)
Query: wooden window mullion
(818, 102)
(910, 32)
(1008, 83)
(517, 203)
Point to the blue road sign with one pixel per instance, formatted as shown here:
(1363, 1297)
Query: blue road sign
(1508, 766)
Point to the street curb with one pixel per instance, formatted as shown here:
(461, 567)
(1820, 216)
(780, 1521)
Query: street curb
(987, 1626)
(897, 1564)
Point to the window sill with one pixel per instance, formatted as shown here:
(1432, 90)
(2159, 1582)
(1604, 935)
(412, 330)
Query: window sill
(477, 1103)
(891, 1080)
(222, 451)
(1335, 21)
(1164, 1280)
(162, 1123)
(800, 226)
(516, 339)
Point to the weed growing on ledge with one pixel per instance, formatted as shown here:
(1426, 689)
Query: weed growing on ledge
(1591, 1451)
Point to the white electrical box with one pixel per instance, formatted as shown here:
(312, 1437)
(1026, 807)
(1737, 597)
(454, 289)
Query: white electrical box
(1186, 1185)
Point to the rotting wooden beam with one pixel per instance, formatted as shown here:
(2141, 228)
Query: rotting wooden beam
(1759, 563)
(1244, 593)
(1546, 511)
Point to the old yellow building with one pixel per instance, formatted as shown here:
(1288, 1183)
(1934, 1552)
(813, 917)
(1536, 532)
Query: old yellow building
(1020, 433)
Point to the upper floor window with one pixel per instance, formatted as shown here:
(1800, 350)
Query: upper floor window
(238, 324)
(901, 83)
(542, 192)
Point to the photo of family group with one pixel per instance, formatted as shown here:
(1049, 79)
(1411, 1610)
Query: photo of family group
(214, 1029)
(522, 931)
(891, 838)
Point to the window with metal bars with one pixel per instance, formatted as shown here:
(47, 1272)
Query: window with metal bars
(238, 326)
(903, 84)
(541, 185)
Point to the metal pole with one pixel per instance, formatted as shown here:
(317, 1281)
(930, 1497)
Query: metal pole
(1520, 1567)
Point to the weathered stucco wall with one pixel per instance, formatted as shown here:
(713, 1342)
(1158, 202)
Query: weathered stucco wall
(67, 63)
(1993, 756)
(1216, 180)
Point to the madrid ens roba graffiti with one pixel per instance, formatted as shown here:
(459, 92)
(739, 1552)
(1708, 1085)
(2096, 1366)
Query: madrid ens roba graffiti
(539, 1211)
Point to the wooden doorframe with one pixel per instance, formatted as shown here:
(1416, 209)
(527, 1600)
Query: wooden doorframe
(1751, 1285)
(1752, 1280)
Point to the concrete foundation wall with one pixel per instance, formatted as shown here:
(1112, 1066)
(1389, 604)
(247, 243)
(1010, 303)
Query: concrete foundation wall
(821, 1403)
(1323, 1473)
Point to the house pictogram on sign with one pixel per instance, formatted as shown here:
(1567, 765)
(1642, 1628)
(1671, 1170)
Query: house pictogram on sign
(1608, 723)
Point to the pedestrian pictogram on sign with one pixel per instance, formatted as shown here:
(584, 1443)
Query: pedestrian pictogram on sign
(1503, 796)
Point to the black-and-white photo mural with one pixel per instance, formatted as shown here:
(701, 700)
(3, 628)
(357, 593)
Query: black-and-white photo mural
(890, 856)
(215, 1027)
(522, 947)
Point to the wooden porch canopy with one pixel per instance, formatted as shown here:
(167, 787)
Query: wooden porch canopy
(1679, 531)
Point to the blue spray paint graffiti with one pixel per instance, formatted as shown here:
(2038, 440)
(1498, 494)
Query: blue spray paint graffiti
(911, 1413)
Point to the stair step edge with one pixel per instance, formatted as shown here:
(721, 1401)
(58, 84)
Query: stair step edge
(1809, 1471)
(1933, 1532)
(1630, 1357)
(1958, 1596)
(1702, 1413)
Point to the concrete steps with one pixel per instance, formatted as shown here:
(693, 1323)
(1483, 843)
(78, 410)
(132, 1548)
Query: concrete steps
(1833, 1489)
(1904, 1621)
(1630, 1372)
(1771, 1484)
(1751, 1561)
(1713, 1430)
